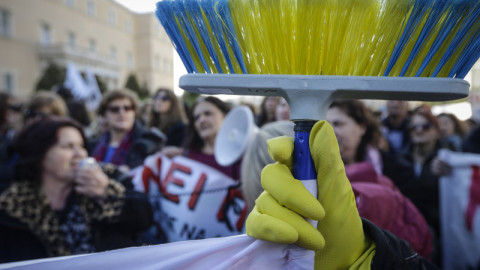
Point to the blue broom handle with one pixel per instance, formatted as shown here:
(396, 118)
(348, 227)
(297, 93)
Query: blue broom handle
(303, 166)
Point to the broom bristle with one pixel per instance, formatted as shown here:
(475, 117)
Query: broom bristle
(422, 38)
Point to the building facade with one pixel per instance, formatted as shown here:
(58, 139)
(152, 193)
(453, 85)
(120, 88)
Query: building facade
(100, 35)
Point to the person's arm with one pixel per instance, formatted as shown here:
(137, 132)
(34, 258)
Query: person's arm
(111, 202)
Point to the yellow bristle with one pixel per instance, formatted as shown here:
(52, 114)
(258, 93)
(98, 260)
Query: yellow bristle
(312, 39)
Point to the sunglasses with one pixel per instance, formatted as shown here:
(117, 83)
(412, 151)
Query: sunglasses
(163, 98)
(116, 109)
(15, 107)
(421, 127)
(33, 114)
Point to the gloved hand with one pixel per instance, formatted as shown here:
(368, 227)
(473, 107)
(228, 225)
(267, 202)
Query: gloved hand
(339, 240)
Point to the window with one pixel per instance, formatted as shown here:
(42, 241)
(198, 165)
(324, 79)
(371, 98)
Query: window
(156, 63)
(112, 17)
(91, 8)
(128, 26)
(46, 34)
(72, 40)
(166, 66)
(92, 45)
(8, 82)
(5, 23)
(130, 62)
(70, 3)
(113, 52)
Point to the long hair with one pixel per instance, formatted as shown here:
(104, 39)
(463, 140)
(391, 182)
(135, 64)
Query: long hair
(459, 127)
(357, 110)
(256, 157)
(193, 139)
(262, 118)
(33, 142)
(174, 115)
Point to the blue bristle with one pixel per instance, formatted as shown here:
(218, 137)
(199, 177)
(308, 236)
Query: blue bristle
(454, 10)
(419, 9)
(217, 31)
(186, 18)
(166, 17)
(467, 58)
(223, 10)
(460, 18)
(195, 10)
(460, 37)
(437, 9)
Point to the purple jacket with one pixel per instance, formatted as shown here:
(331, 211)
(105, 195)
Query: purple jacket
(379, 201)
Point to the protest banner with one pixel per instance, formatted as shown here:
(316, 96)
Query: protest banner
(460, 211)
(190, 199)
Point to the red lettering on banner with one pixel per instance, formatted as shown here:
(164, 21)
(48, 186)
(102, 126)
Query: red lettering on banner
(230, 203)
(170, 179)
(147, 175)
(197, 191)
(474, 197)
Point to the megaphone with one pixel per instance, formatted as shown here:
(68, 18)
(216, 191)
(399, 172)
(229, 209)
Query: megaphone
(232, 139)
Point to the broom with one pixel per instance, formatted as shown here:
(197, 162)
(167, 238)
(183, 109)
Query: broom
(370, 49)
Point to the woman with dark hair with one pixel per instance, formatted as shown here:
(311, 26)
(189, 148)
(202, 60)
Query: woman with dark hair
(452, 131)
(168, 116)
(422, 186)
(62, 203)
(206, 118)
(358, 134)
(267, 110)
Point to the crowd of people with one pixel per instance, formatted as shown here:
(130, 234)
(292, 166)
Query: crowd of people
(55, 201)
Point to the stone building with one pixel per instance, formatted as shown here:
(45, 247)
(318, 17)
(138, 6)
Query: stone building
(98, 34)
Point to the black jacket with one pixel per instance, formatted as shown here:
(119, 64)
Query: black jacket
(393, 253)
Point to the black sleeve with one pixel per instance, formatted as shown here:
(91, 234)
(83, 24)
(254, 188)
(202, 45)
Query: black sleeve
(392, 252)
(176, 135)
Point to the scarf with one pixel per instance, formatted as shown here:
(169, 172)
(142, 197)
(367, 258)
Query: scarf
(120, 155)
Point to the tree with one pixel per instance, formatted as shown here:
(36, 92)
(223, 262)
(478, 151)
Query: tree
(52, 75)
(132, 84)
(101, 84)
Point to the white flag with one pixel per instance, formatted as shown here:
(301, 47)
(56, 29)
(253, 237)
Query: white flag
(460, 211)
(75, 82)
(94, 95)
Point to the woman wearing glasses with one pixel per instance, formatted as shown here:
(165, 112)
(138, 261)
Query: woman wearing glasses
(126, 143)
(422, 186)
(168, 116)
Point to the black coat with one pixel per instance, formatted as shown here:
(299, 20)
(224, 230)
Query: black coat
(393, 253)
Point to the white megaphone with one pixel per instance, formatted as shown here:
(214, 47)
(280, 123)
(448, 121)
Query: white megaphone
(237, 131)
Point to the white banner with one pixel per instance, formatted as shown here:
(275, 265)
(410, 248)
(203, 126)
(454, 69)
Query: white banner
(191, 200)
(236, 252)
(460, 211)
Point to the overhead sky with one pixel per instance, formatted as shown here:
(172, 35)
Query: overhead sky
(142, 6)
(139, 6)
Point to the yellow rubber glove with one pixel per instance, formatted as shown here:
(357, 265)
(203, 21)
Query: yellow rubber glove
(339, 240)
